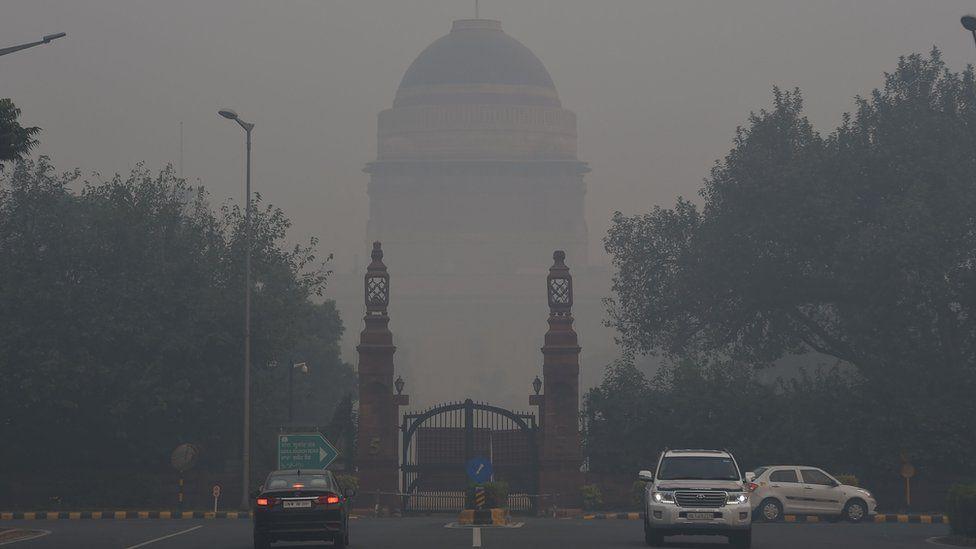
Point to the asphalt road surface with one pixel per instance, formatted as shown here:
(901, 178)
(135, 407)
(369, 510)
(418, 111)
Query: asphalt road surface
(430, 532)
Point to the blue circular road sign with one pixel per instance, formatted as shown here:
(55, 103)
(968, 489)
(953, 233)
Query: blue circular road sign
(479, 469)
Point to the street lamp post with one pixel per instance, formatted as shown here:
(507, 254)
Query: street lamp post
(969, 23)
(44, 40)
(246, 453)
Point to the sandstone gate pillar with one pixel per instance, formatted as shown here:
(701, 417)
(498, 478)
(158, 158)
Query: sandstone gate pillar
(560, 452)
(378, 407)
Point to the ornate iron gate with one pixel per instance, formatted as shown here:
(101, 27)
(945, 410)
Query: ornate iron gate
(438, 442)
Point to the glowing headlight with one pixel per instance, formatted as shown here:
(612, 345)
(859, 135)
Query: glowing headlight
(663, 497)
(737, 497)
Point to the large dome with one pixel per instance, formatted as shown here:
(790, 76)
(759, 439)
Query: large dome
(476, 94)
(477, 51)
(479, 58)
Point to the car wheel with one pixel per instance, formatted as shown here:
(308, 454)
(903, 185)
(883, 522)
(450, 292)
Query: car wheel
(771, 510)
(261, 541)
(741, 540)
(340, 541)
(855, 510)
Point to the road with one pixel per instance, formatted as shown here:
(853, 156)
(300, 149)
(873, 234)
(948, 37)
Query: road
(430, 532)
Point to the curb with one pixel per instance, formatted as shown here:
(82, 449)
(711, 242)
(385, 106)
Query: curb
(121, 515)
(484, 517)
(913, 519)
(805, 518)
(613, 516)
(905, 519)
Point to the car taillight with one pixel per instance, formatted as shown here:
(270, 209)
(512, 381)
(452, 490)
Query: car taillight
(752, 486)
(327, 499)
(267, 502)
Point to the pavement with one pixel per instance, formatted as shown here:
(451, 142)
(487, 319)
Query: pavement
(433, 532)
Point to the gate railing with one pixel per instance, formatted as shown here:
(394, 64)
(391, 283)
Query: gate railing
(434, 501)
(436, 443)
(453, 501)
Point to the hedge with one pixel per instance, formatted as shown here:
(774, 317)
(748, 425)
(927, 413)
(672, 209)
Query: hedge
(496, 494)
(592, 497)
(961, 510)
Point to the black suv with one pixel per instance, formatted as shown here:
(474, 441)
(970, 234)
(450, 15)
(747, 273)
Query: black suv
(301, 505)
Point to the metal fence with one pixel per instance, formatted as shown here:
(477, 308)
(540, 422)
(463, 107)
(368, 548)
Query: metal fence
(434, 501)
(453, 501)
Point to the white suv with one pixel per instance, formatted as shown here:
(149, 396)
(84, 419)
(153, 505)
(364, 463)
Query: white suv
(803, 490)
(696, 492)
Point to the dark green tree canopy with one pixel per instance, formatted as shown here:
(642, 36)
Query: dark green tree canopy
(121, 320)
(15, 140)
(859, 245)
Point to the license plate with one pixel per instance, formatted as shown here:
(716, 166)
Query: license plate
(296, 504)
(699, 516)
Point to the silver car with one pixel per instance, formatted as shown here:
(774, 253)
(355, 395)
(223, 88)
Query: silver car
(779, 490)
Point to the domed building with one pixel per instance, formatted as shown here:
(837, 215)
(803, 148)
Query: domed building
(476, 169)
(475, 183)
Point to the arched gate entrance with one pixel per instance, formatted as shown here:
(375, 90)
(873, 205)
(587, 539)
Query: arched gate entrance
(437, 443)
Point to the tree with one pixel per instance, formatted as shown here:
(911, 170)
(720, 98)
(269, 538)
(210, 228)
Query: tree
(628, 420)
(15, 140)
(121, 320)
(858, 245)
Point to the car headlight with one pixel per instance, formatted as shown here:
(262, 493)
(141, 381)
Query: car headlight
(737, 497)
(865, 492)
(663, 497)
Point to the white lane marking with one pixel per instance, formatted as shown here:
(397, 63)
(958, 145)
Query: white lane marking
(476, 537)
(40, 533)
(145, 543)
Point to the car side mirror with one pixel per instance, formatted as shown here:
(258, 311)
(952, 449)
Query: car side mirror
(350, 492)
(646, 476)
(750, 476)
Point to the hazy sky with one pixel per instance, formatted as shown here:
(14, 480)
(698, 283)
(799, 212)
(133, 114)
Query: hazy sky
(659, 86)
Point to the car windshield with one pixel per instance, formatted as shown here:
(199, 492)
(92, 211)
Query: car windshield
(697, 468)
(285, 482)
(759, 471)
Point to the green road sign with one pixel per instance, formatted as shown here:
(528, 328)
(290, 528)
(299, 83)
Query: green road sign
(305, 451)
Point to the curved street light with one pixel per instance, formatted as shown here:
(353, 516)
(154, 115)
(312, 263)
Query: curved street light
(231, 114)
(46, 39)
(969, 23)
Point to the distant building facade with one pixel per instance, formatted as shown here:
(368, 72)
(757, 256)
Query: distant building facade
(475, 183)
